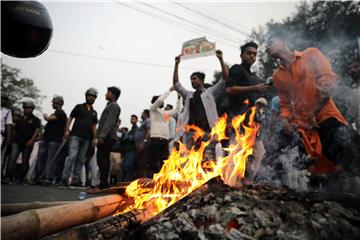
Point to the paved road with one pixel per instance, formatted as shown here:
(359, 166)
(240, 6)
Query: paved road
(31, 193)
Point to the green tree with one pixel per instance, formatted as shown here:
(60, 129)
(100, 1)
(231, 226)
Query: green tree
(19, 89)
(331, 26)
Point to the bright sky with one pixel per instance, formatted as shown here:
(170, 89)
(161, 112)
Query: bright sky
(132, 45)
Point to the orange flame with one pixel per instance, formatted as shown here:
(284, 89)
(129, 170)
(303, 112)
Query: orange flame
(185, 170)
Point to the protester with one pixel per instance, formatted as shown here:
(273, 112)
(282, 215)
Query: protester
(6, 130)
(51, 143)
(106, 134)
(304, 81)
(25, 133)
(200, 106)
(159, 131)
(83, 133)
(6, 119)
(142, 137)
(244, 84)
(130, 150)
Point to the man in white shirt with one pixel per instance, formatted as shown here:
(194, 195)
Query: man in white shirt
(159, 131)
(6, 128)
(200, 106)
(6, 119)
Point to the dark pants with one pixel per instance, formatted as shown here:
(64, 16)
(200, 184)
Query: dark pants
(15, 151)
(341, 144)
(103, 161)
(129, 166)
(158, 152)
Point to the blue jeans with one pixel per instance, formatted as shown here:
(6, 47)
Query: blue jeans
(77, 156)
(16, 149)
(46, 163)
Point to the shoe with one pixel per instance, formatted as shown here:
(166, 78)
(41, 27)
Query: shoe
(63, 184)
(76, 185)
(45, 183)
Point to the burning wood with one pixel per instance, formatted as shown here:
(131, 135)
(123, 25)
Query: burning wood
(186, 170)
(251, 212)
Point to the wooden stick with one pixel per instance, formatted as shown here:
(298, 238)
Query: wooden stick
(33, 224)
(12, 208)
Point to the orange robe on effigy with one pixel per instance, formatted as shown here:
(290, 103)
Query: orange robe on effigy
(300, 92)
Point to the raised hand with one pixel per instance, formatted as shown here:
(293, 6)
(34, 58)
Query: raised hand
(219, 53)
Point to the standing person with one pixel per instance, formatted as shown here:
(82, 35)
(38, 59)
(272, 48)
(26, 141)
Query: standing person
(142, 137)
(51, 142)
(83, 133)
(244, 84)
(6, 119)
(26, 130)
(172, 127)
(200, 106)
(304, 81)
(159, 131)
(130, 150)
(6, 130)
(106, 134)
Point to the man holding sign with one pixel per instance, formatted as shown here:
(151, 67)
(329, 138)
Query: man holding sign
(200, 107)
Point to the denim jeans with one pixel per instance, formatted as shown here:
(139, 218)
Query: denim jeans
(77, 156)
(16, 149)
(46, 163)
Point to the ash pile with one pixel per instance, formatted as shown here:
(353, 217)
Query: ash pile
(217, 211)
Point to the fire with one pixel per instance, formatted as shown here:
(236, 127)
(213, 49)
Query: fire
(185, 170)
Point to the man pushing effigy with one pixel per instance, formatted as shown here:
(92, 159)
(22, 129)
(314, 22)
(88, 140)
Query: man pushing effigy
(303, 81)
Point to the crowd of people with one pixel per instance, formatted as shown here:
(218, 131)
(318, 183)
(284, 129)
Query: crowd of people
(79, 150)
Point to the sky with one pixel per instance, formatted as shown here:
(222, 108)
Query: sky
(132, 45)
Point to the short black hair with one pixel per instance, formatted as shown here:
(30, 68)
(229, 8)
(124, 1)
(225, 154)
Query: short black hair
(115, 91)
(134, 116)
(154, 98)
(147, 112)
(200, 75)
(248, 44)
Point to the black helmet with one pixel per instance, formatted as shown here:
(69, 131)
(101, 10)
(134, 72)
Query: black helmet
(58, 99)
(91, 91)
(29, 104)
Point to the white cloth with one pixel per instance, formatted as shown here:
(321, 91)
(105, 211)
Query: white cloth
(6, 119)
(160, 118)
(208, 98)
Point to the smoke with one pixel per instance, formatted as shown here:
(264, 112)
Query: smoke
(286, 167)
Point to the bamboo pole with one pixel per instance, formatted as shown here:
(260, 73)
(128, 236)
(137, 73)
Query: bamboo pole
(33, 224)
(12, 208)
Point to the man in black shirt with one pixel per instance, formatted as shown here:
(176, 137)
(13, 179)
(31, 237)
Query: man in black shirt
(82, 134)
(243, 84)
(106, 134)
(51, 142)
(26, 130)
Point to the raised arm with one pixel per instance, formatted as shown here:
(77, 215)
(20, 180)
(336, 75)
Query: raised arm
(178, 87)
(176, 70)
(160, 99)
(224, 68)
